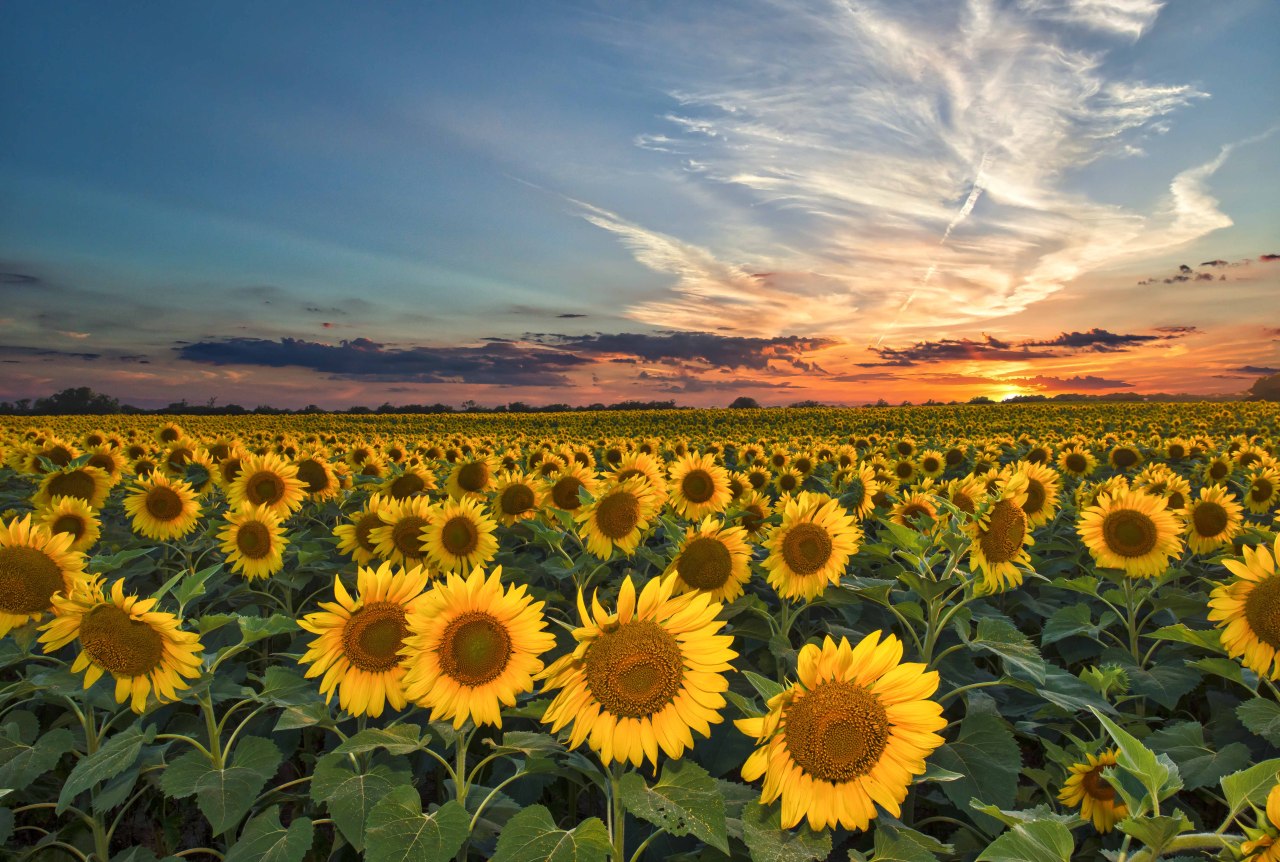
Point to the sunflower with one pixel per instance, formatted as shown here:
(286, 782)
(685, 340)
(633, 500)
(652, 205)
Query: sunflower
(472, 478)
(268, 480)
(315, 472)
(698, 487)
(811, 547)
(162, 508)
(34, 565)
(965, 493)
(355, 537)
(169, 433)
(1216, 470)
(909, 509)
(1248, 610)
(516, 497)
(399, 539)
(904, 471)
(1086, 788)
(712, 558)
(1265, 847)
(75, 517)
(473, 647)
(229, 467)
(1213, 520)
(643, 678)
(1043, 487)
(1132, 531)
(90, 484)
(758, 476)
(562, 488)
(932, 463)
(145, 650)
(410, 482)
(253, 541)
(1001, 533)
(858, 490)
(755, 508)
(109, 461)
(459, 537)
(1264, 490)
(788, 481)
(617, 518)
(359, 643)
(848, 735)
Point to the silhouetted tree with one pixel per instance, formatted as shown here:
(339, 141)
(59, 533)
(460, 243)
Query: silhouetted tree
(744, 402)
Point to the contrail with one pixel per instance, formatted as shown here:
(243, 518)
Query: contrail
(969, 203)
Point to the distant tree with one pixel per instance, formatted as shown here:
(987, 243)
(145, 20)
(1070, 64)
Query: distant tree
(808, 403)
(1265, 389)
(980, 399)
(744, 402)
(79, 400)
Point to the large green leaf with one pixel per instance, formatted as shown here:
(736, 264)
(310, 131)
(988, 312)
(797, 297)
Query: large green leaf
(1035, 841)
(398, 830)
(224, 795)
(1251, 786)
(986, 754)
(684, 801)
(1067, 621)
(767, 841)
(114, 756)
(1199, 764)
(1155, 832)
(896, 843)
(21, 764)
(532, 836)
(1158, 774)
(1262, 716)
(264, 839)
(1016, 651)
(350, 794)
(398, 739)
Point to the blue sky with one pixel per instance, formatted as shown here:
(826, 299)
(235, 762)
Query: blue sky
(787, 199)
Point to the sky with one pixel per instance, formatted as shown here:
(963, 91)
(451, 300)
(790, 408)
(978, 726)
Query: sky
(327, 203)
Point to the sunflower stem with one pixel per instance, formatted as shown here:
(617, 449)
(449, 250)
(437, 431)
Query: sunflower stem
(618, 815)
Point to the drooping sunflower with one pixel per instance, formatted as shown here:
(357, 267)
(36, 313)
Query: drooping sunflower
(858, 490)
(913, 506)
(1132, 531)
(1266, 847)
(459, 536)
(145, 650)
(563, 486)
(1264, 490)
(1248, 610)
(162, 508)
(1213, 519)
(471, 478)
(399, 539)
(755, 508)
(359, 639)
(1085, 787)
(698, 487)
(643, 678)
(617, 518)
(1043, 486)
(268, 480)
(410, 482)
(75, 517)
(713, 559)
(516, 497)
(848, 735)
(315, 472)
(1124, 456)
(473, 647)
(90, 484)
(254, 541)
(355, 538)
(34, 565)
(810, 549)
(1001, 533)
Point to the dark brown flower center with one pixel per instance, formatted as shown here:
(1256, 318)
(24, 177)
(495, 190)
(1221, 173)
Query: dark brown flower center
(405, 535)
(368, 522)
(1129, 533)
(163, 503)
(837, 731)
(406, 486)
(1076, 463)
(806, 548)
(697, 486)
(254, 540)
(77, 483)
(371, 638)
(1096, 786)
(1262, 610)
(119, 643)
(705, 563)
(1036, 496)
(617, 514)
(459, 536)
(69, 523)
(1209, 519)
(1124, 457)
(565, 493)
(516, 499)
(28, 577)
(635, 670)
(1261, 490)
(1006, 528)
(264, 488)
(474, 648)
(473, 476)
(313, 475)
(1219, 469)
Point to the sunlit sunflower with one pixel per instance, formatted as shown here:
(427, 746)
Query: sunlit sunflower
(268, 480)
(253, 541)
(1217, 470)
(1248, 610)
(90, 484)
(858, 490)
(162, 508)
(1086, 788)
(1043, 486)
(1266, 846)
(848, 735)
(1001, 533)
(1264, 490)
(355, 537)
(758, 476)
(698, 487)
(914, 506)
(358, 648)
(712, 558)
(618, 517)
(399, 539)
(516, 497)
(965, 493)
(72, 516)
(459, 536)
(33, 566)
(904, 471)
(647, 465)
(144, 650)
(229, 468)
(410, 482)
(471, 478)
(754, 508)
(109, 460)
(473, 648)
(169, 433)
(562, 487)
(788, 481)
(1212, 520)
(932, 463)
(642, 679)
(1132, 531)
(315, 472)
(811, 548)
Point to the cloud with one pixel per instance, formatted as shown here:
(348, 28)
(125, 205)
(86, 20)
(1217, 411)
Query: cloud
(686, 383)
(719, 351)
(500, 364)
(1119, 17)
(1256, 369)
(993, 349)
(1267, 258)
(21, 279)
(21, 352)
(1078, 383)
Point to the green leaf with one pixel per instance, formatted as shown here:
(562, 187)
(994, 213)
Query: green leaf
(1251, 786)
(1155, 832)
(253, 629)
(115, 756)
(265, 840)
(351, 795)
(6, 825)
(986, 754)
(1210, 639)
(397, 739)
(684, 801)
(532, 836)
(1199, 764)
(399, 831)
(22, 763)
(1159, 775)
(527, 743)
(1029, 815)
(1019, 656)
(1164, 683)
(223, 795)
(897, 843)
(767, 841)
(1261, 716)
(1066, 622)
(1035, 841)
(282, 687)
(766, 687)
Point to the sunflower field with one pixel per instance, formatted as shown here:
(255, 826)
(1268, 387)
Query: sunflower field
(1017, 633)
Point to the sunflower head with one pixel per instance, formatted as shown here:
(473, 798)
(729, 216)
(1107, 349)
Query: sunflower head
(1001, 533)
(87, 483)
(516, 497)
(618, 517)
(1087, 788)
(253, 541)
(1247, 609)
(811, 547)
(712, 558)
(72, 516)
(268, 480)
(34, 566)
(162, 508)
(1132, 531)
(459, 536)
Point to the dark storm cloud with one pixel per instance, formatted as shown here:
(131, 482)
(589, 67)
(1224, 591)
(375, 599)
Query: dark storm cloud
(21, 279)
(720, 351)
(17, 352)
(570, 316)
(1218, 262)
(1256, 369)
(1266, 258)
(501, 363)
(991, 348)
